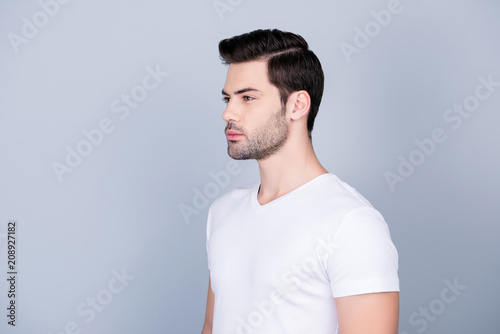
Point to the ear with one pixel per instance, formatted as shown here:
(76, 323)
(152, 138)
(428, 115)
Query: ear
(300, 103)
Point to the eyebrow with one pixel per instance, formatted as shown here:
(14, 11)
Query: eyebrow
(244, 90)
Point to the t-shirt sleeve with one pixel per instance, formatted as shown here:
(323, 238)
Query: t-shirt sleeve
(365, 260)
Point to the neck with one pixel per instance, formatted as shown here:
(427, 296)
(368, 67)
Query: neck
(293, 166)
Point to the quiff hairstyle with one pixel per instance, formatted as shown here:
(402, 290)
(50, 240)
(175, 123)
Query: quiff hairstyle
(291, 65)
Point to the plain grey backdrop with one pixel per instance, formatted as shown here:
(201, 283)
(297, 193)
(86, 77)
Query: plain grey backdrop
(111, 140)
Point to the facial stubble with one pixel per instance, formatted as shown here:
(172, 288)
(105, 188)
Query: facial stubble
(263, 142)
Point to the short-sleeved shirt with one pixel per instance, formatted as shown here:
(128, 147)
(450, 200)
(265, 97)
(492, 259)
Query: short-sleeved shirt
(278, 267)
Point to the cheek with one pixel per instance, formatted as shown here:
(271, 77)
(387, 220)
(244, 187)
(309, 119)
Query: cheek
(257, 116)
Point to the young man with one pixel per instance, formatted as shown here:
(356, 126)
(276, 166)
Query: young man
(300, 251)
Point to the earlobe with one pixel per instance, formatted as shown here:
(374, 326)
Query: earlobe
(301, 104)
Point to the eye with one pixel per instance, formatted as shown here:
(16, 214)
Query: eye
(225, 99)
(248, 98)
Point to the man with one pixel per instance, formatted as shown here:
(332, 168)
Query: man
(300, 251)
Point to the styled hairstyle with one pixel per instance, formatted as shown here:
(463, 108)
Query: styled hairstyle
(291, 65)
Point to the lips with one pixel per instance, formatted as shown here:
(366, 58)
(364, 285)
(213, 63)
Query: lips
(233, 135)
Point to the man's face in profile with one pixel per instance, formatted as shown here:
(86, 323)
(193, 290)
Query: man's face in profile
(256, 126)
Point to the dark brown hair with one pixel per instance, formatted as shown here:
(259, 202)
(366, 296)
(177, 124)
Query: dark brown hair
(291, 65)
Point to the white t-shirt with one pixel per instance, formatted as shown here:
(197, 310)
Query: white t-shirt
(276, 268)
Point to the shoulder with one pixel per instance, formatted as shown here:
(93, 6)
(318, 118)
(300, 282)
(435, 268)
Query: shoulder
(336, 196)
(359, 217)
(333, 187)
(233, 196)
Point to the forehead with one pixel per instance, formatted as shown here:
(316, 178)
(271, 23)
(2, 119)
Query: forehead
(248, 74)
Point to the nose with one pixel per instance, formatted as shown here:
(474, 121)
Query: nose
(230, 114)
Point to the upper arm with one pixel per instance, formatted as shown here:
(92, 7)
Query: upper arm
(374, 313)
(209, 312)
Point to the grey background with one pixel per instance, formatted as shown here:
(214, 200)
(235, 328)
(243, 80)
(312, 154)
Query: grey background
(119, 209)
